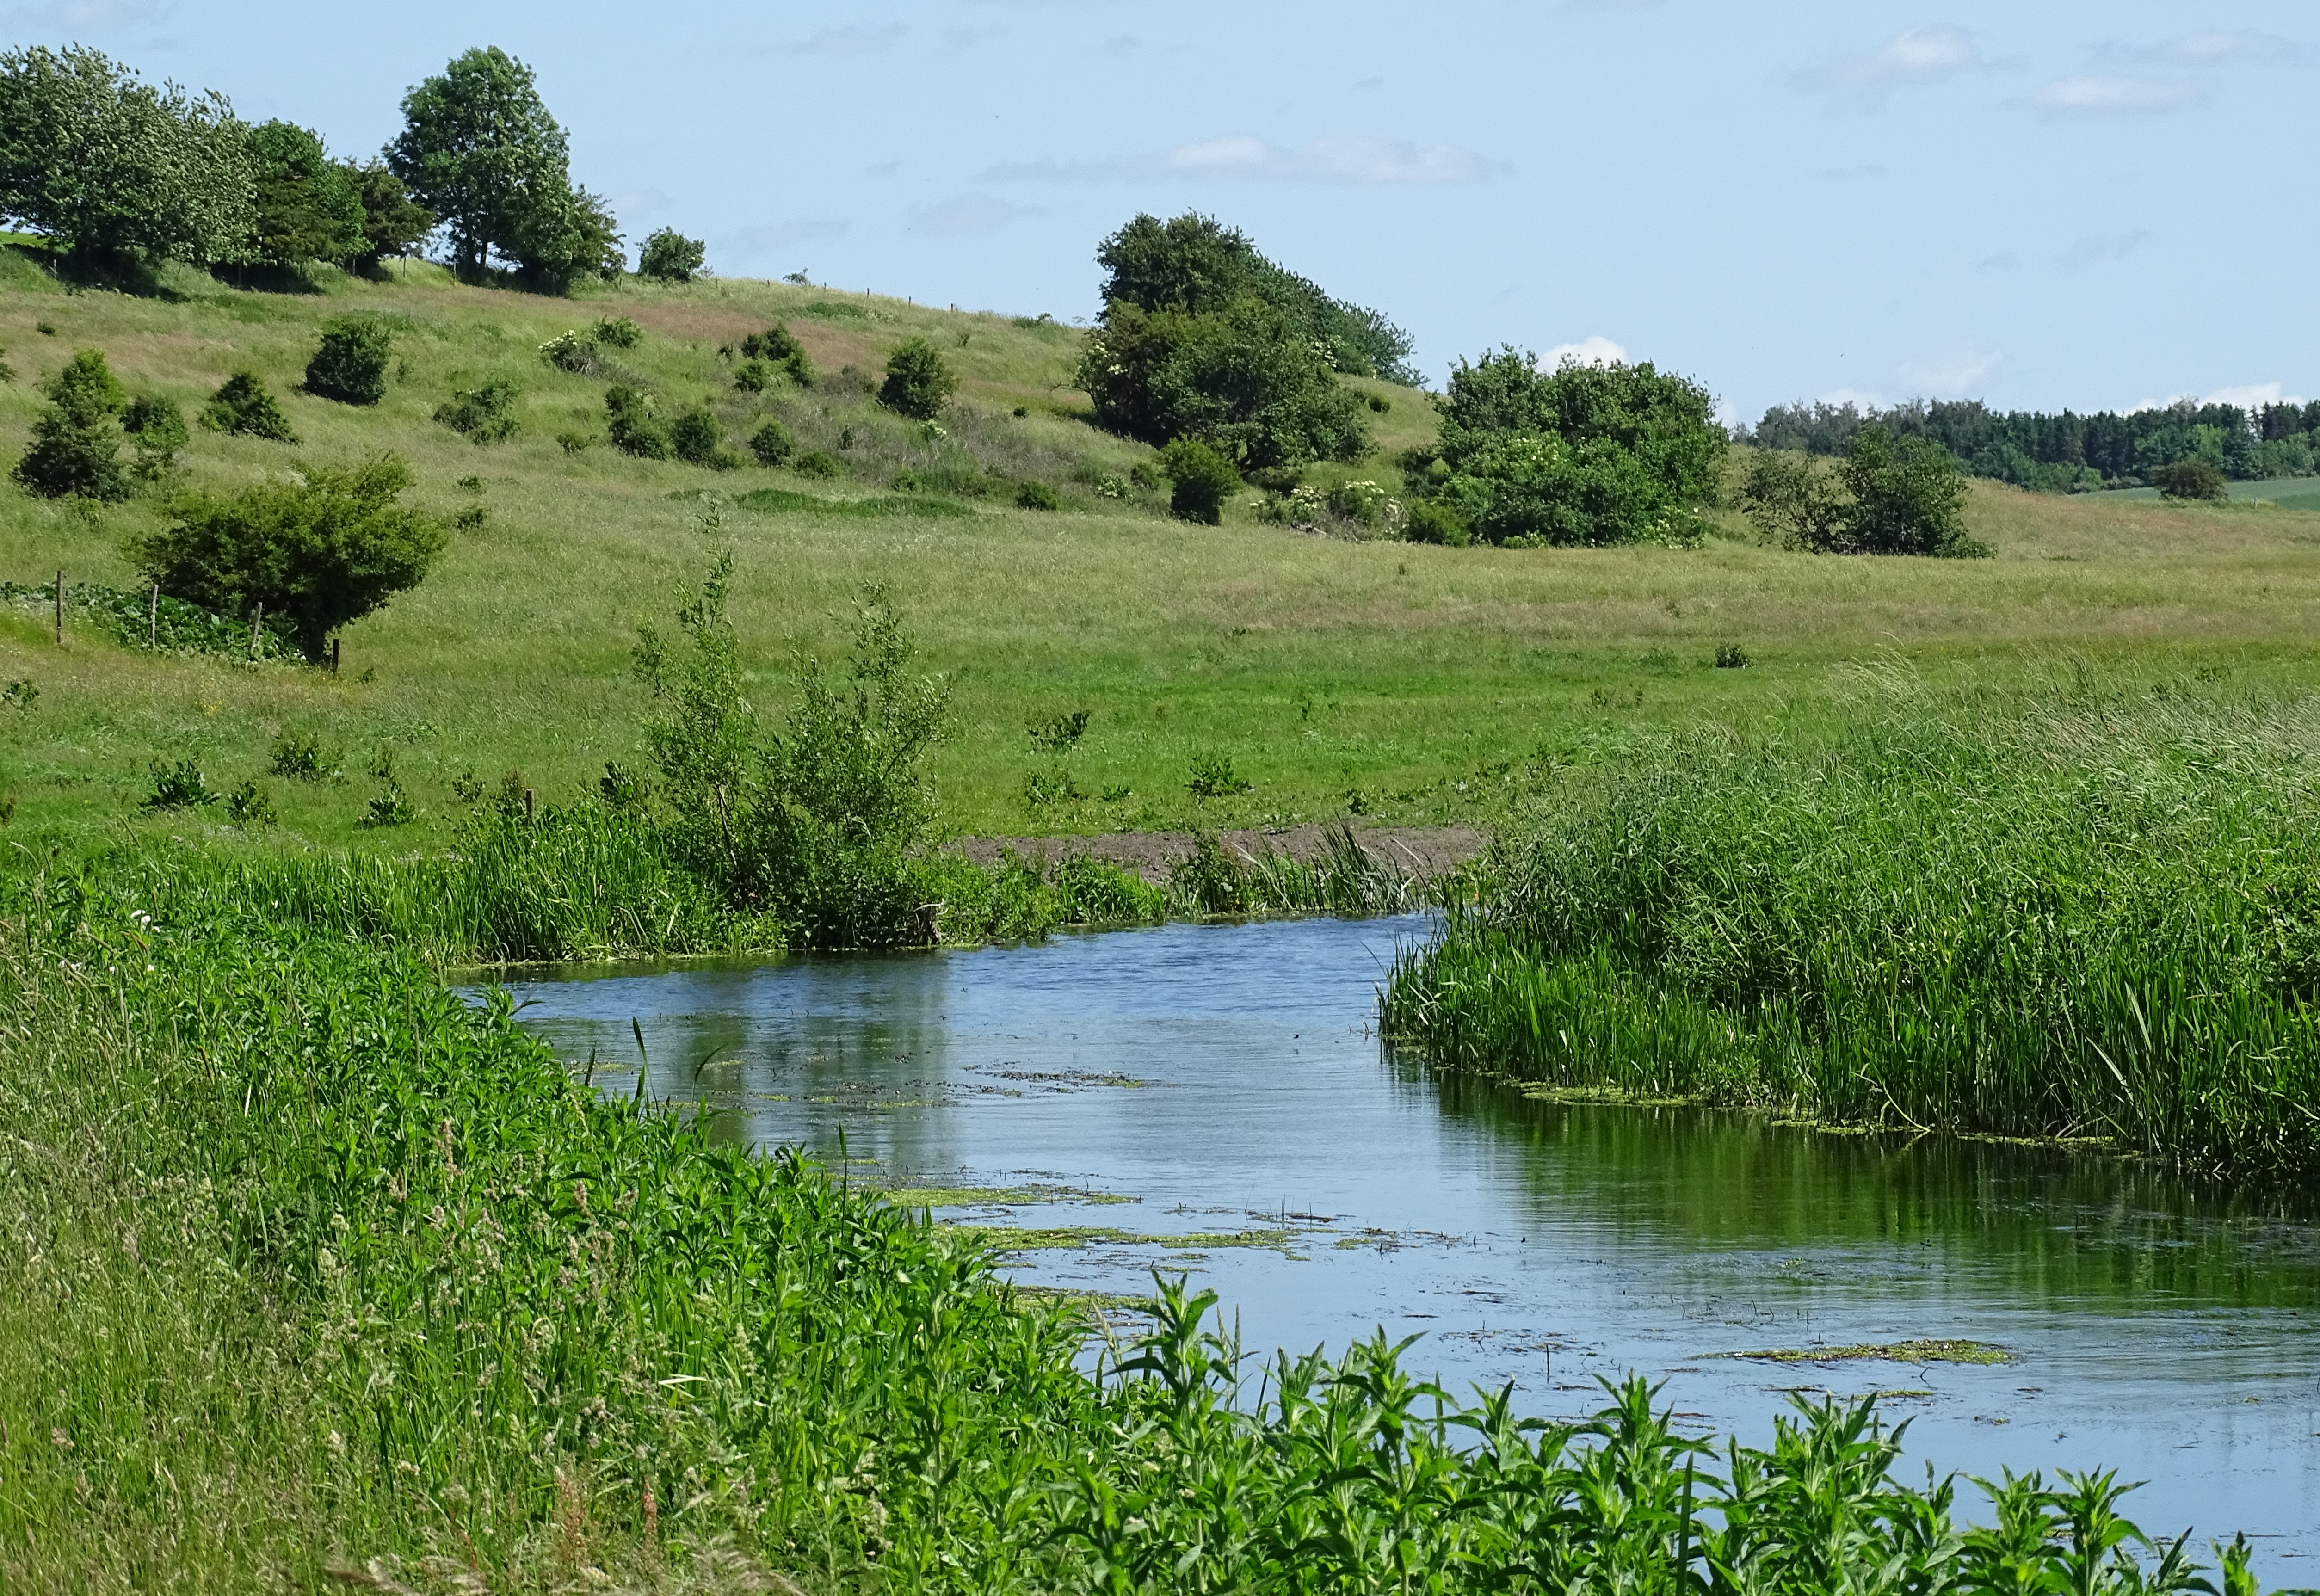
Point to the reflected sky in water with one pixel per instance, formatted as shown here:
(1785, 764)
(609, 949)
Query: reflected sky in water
(1227, 1079)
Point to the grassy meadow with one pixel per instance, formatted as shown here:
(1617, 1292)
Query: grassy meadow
(1398, 682)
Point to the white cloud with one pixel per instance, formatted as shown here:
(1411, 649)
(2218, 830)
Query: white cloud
(1949, 373)
(1597, 350)
(2099, 94)
(2254, 396)
(2219, 47)
(1352, 158)
(860, 40)
(1915, 55)
(968, 215)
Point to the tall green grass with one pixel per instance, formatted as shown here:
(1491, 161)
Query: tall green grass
(309, 1271)
(2096, 914)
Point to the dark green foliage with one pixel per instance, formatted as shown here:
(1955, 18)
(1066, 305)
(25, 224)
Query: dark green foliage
(249, 806)
(772, 443)
(110, 167)
(75, 450)
(1731, 656)
(617, 333)
(1238, 378)
(818, 464)
(669, 257)
(778, 346)
(2192, 479)
(1195, 263)
(1908, 497)
(486, 414)
(1431, 521)
(815, 823)
(480, 150)
(1213, 776)
(308, 208)
(350, 364)
(317, 553)
(179, 785)
(134, 621)
(632, 426)
(697, 438)
(1584, 454)
(752, 376)
(1792, 497)
(300, 758)
(1037, 496)
(394, 223)
(918, 382)
(242, 405)
(157, 431)
(1200, 480)
(19, 695)
(1059, 733)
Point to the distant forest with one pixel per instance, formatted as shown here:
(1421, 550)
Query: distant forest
(2068, 453)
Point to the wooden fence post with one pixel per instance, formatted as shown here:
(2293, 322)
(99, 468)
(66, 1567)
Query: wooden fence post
(153, 620)
(60, 609)
(256, 622)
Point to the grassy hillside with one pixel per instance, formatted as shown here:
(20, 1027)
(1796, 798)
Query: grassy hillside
(1407, 683)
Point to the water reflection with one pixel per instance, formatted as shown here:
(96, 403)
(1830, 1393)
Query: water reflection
(1224, 1079)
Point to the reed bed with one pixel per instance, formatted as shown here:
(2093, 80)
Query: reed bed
(2093, 914)
(310, 1272)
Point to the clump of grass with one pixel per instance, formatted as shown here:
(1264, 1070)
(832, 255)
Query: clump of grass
(2093, 917)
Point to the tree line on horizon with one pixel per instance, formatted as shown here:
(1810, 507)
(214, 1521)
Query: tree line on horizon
(2069, 452)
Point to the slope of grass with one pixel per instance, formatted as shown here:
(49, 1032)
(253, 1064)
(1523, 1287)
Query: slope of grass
(1398, 682)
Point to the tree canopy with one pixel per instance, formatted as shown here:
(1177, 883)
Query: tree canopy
(109, 166)
(308, 206)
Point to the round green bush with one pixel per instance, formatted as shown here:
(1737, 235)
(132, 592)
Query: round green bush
(772, 443)
(1430, 520)
(1037, 496)
(669, 257)
(2192, 479)
(918, 384)
(1202, 480)
(351, 366)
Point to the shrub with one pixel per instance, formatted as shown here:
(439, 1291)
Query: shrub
(817, 463)
(75, 450)
(242, 405)
(1147, 475)
(486, 414)
(1908, 497)
(1201, 479)
(1213, 776)
(772, 443)
(300, 758)
(572, 441)
(1731, 656)
(617, 333)
(1430, 520)
(1037, 496)
(570, 351)
(351, 366)
(308, 207)
(698, 440)
(919, 383)
(632, 426)
(752, 376)
(2192, 479)
(1366, 504)
(179, 786)
(247, 806)
(1790, 497)
(320, 552)
(669, 257)
(778, 346)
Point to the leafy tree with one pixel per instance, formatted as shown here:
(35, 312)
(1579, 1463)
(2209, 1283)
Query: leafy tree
(350, 364)
(110, 167)
(669, 257)
(918, 382)
(1908, 497)
(156, 428)
(480, 150)
(394, 223)
(2190, 479)
(1238, 378)
(1200, 481)
(75, 449)
(1795, 500)
(1583, 455)
(320, 552)
(242, 405)
(307, 208)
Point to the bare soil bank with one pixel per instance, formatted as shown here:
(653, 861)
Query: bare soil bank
(1418, 850)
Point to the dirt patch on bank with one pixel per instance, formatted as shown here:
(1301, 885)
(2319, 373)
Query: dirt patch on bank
(1419, 851)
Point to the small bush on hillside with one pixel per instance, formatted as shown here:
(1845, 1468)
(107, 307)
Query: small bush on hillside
(617, 333)
(772, 443)
(351, 366)
(1908, 497)
(752, 376)
(570, 351)
(2192, 479)
(242, 405)
(156, 428)
(919, 383)
(248, 807)
(1202, 480)
(1430, 520)
(818, 464)
(1037, 496)
(300, 758)
(632, 426)
(319, 552)
(179, 786)
(1147, 475)
(486, 414)
(778, 348)
(1213, 776)
(75, 449)
(698, 440)
(669, 257)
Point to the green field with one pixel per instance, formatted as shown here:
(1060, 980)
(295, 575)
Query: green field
(1400, 682)
(2289, 493)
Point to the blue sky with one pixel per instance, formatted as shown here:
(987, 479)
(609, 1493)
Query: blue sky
(2039, 204)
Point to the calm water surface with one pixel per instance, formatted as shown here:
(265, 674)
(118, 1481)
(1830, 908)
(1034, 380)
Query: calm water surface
(1227, 1080)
